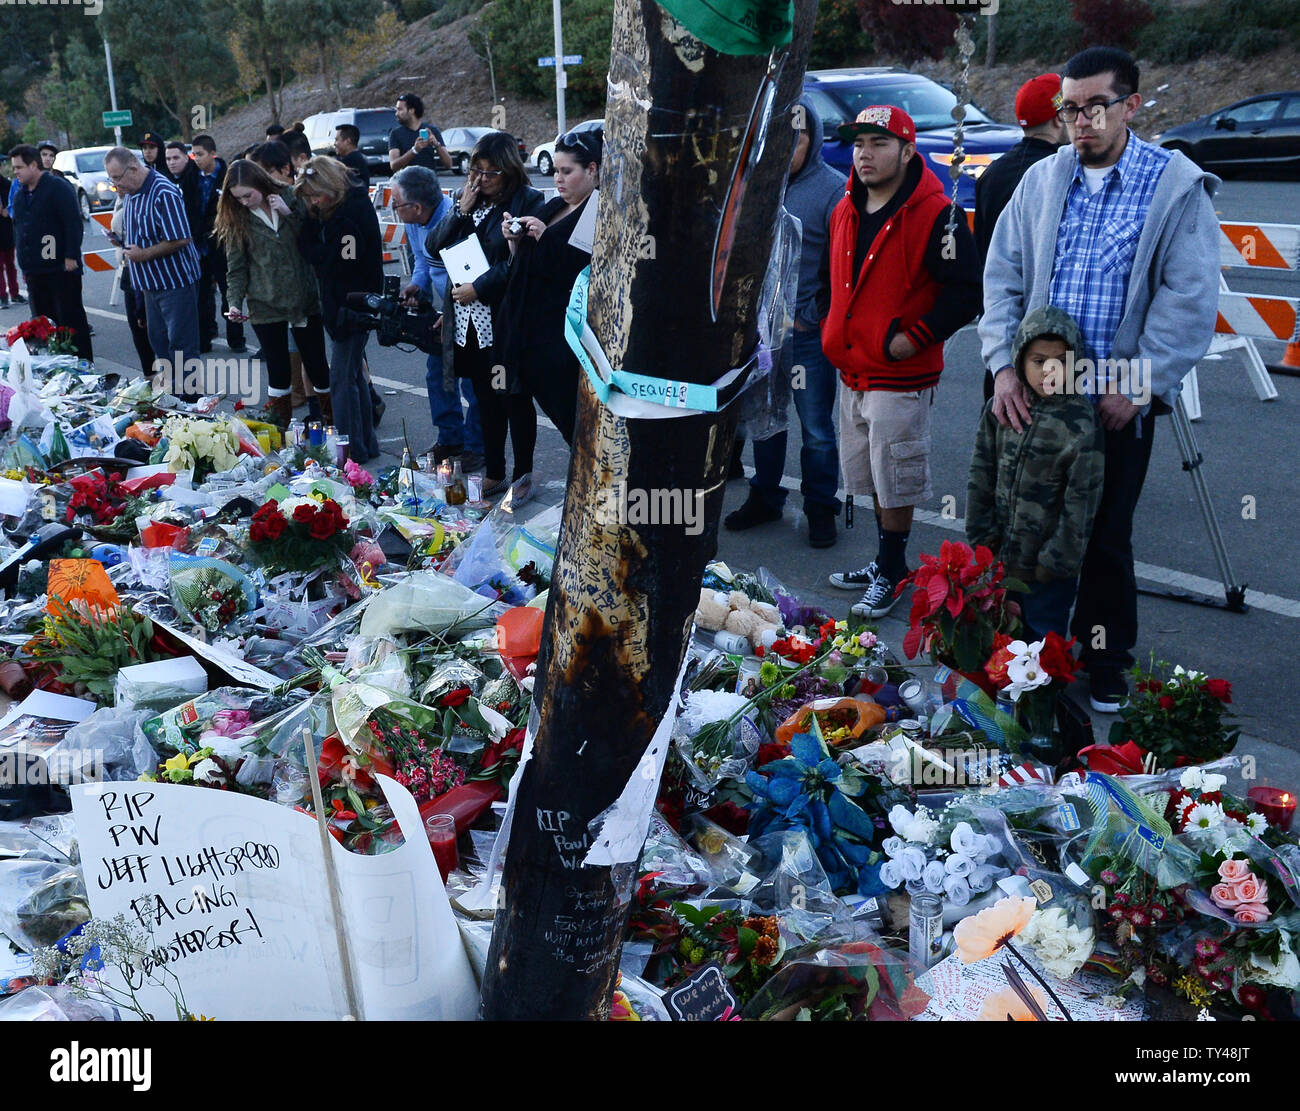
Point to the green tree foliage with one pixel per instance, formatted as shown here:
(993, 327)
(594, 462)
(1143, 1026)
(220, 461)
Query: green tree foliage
(838, 37)
(321, 29)
(522, 32)
(76, 92)
(178, 52)
(267, 31)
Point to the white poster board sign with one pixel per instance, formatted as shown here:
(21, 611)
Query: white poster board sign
(234, 891)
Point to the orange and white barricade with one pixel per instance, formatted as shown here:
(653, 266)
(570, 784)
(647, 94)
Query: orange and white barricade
(395, 244)
(1247, 317)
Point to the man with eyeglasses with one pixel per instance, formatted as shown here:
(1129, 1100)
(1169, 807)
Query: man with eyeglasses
(1122, 235)
(420, 204)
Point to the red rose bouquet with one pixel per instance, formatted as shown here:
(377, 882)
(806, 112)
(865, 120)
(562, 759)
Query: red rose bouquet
(1177, 715)
(301, 535)
(43, 336)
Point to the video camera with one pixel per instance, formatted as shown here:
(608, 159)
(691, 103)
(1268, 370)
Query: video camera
(392, 322)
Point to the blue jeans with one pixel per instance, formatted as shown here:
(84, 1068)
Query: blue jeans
(172, 317)
(454, 426)
(1046, 608)
(819, 460)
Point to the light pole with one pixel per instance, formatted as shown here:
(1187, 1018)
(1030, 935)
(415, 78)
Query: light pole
(561, 79)
(112, 92)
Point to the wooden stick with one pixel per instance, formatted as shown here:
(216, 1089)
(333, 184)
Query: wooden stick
(332, 878)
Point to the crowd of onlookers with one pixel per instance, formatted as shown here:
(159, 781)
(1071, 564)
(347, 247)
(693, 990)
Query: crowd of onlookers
(1089, 246)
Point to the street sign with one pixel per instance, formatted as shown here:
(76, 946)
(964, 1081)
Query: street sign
(548, 61)
(118, 119)
(569, 60)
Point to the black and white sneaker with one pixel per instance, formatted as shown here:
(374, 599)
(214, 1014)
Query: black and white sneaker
(878, 600)
(1109, 692)
(855, 580)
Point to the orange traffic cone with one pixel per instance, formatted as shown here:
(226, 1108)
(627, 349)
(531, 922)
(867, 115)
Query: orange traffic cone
(1290, 363)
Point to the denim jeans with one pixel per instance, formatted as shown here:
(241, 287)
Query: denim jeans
(1046, 608)
(819, 461)
(454, 426)
(172, 316)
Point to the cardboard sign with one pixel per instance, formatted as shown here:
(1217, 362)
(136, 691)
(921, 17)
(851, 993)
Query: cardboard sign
(704, 997)
(234, 892)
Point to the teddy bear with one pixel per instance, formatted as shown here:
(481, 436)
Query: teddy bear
(735, 612)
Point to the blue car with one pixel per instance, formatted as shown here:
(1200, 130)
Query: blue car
(840, 94)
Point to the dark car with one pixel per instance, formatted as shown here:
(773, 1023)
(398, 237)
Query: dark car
(375, 124)
(840, 94)
(1260, 133)
(460, 141)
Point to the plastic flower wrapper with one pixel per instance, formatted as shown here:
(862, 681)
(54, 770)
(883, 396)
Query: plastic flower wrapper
(427, 601)
(219, 719)
(50, 837)
(212, 594)
(730, 859)
(105, 746)
(1240, 880)
(796, 888)
(672, 864)
(852, 982)
(1062, 936)
(40, 901)
(451, 683)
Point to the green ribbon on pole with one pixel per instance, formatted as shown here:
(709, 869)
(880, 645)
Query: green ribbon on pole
(736, 26)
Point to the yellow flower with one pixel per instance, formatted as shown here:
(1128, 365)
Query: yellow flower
(176, 767)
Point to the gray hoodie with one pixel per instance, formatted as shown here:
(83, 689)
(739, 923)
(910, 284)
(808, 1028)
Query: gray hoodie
(812, 195)
(1173, 293)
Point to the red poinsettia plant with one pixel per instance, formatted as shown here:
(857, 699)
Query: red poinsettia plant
(41, 334)
(959, 604)
(96, 495)
(312, 535)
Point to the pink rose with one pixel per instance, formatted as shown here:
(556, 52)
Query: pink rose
(1232, 871)
(1251, 890)
(1252, 912)
(1225, 895)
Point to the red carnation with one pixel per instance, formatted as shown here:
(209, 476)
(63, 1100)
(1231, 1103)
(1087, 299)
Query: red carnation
(454, 697)
(304, 514)
(1166, 703)
(1220, 688)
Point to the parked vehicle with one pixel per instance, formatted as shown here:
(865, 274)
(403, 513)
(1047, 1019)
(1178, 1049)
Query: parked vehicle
(1259, 133)
(375, 124)
(840, 94)
(543, 157)
(84, 169)
(459, 141)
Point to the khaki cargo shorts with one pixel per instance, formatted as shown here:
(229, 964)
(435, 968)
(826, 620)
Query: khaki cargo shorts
(885, 445)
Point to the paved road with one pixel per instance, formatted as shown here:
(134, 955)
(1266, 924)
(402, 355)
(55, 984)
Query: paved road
(1249, 454)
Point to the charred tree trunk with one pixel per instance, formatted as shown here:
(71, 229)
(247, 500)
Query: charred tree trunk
(624, 591)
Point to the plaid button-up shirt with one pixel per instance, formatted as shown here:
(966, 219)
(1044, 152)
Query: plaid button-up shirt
(1097, 239)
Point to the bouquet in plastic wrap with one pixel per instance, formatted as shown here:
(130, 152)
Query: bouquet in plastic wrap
(211, 593)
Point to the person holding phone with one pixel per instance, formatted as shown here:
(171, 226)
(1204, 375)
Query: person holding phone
(546, 264)
(413, 142)
(497, 184)
(257, 225)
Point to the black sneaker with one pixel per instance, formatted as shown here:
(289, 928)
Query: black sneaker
(472, 462)
(755, 511)
(443, 451)
(1109, 691)
(18, 299)
(878, 600)
(821, 527)
(855, 580)
(377, 408)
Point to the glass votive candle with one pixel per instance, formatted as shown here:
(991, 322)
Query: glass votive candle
(1276, 804)
(441, 831)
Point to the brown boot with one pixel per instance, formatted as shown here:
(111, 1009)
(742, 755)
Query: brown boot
(279, 411)
(326, 408)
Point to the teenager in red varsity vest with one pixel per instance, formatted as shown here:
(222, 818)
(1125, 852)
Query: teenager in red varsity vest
(899, 285)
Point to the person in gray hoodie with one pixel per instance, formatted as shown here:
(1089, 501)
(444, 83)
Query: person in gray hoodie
(1123, 236)
(811, 194)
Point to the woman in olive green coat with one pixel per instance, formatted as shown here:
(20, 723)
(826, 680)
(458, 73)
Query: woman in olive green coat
(257, 224)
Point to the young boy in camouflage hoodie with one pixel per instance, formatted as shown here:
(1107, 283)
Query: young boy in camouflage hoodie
(1032, 495)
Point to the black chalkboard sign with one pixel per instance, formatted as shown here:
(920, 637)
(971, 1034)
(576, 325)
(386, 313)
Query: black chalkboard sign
(702, 998)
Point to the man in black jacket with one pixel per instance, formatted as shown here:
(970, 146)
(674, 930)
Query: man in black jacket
(47, 233)
(1036, 104)
(212, 260)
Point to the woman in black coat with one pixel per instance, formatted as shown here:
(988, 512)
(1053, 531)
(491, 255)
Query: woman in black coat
(497, 190)
(536, 356)
(341, 240)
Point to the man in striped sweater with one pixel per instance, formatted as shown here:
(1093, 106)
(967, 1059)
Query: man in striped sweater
(899, 285)
(159, 248)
